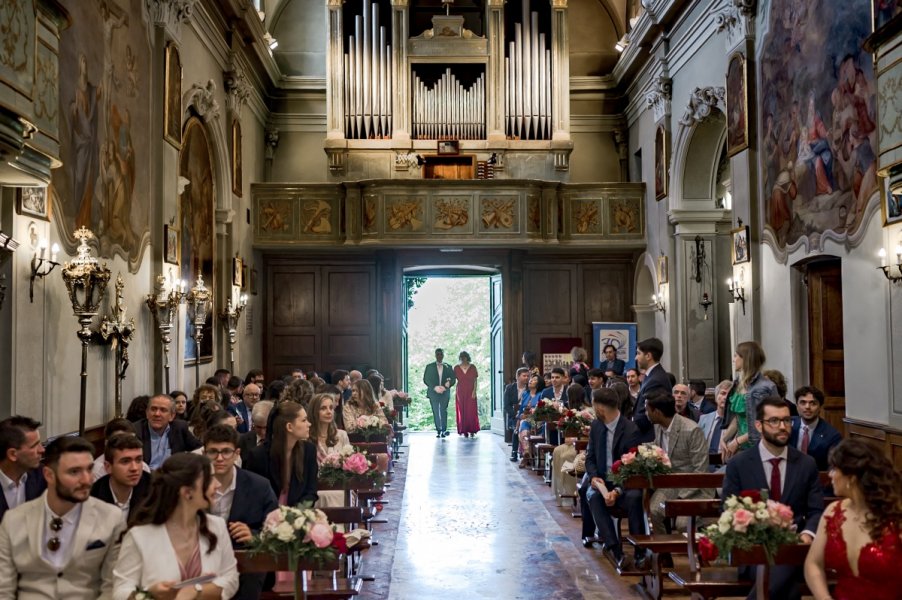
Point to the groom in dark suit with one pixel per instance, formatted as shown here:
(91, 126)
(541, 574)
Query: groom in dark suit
(439, 378)
(648, 358)
(790, 477)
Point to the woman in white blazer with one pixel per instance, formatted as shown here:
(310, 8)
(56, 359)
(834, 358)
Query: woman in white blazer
(172, 539)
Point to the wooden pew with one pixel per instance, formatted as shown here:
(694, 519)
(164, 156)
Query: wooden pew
(794, 554)
(351, 517)
(305, 586)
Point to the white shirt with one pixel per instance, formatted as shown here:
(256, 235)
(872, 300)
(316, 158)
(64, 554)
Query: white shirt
(769, 468)
(123, 506)
(60, 558)
(438, 369)
(665, 435)
(222, 498)
(14, 491)
(811, 428)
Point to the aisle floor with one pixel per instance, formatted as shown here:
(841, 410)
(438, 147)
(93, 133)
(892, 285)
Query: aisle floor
(472, 525)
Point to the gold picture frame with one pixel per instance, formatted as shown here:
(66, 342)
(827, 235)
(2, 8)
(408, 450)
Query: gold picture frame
(237, 272)
(663, 271)
(172, 96)
(739, 246)
(890, 202)
(172, 247)
(737, 105)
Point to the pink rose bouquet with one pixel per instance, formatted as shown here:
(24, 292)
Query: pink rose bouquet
(646, 460)
(749, 520)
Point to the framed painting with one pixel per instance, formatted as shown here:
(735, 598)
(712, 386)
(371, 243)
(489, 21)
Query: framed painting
(236, 157)
(740, 244)
(32, 202)
(172, 101)
(448, 147)
(892, 202)
(737, 105)
(884, 11)
(171, 245)
(660, 163)
(244, 279)
(663, 276)
(237, 272)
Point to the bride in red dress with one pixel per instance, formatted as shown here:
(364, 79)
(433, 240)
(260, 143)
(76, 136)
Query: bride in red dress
(860, 536)
(465, 396)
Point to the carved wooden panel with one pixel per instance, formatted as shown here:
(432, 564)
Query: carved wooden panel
(549, 301)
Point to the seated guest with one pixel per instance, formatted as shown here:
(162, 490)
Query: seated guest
(214, 419)
(871, 492)
(811, 434)
(207, 396)
(558, 390)
(610, 437)
(20, 462)
(780, 382)
(528, 400)
(711, 423)
(697, 400)
(512, 393)
(790, 478)
(578, 365)
(171, 537)
(634, 382)
(342, 380)
(329, 439)
(62, 544)
(234, 390)
(354, 375)
(113, 427)
(287, 459)
(299, 391)
(242, 409)
(181, 404)
(127, 482)
(595, 380)
(257, 435)
(161, 434)
(687, 448)
(623, 394)
(561, 483)
(243, 499)
(363, 403)
(255, 376)
(611, 365)
(683, 408)
(137, 408)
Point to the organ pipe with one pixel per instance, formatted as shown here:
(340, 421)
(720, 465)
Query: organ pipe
(447, 110)
(528, 80)
(368, 68)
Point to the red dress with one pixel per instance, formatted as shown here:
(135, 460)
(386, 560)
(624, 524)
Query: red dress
(467, 412)
(878, 563)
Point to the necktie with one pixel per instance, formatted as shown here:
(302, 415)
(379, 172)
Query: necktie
(806, 439)
(775, 491)
(714, 437)
(604, 447)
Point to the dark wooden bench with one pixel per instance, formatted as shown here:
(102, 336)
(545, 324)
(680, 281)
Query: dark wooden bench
(351, 517)
(305, 586)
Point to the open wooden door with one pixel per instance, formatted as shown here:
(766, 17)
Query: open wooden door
(825, 338)
(497, 346)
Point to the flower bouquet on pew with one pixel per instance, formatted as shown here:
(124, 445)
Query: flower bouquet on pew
(575, 422)
(646, 460)
(299, 533)
(749, 520)
(546, 411)
(369, 428)
(347, 464)
(389, 411)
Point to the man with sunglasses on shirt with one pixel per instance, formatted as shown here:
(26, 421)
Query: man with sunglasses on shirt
(64, 543)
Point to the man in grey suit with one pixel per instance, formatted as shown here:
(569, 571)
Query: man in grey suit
(439, 378)
(686, 446)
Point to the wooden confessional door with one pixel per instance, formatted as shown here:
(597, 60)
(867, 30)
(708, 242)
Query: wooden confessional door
(825, 338)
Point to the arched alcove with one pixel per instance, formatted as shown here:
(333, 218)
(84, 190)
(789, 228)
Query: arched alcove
(302, 37)
(696, 155)
(595, 26)
(644, 285)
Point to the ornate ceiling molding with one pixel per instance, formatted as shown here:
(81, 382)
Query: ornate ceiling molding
(659, 98)
(701, 102)
(202, 98)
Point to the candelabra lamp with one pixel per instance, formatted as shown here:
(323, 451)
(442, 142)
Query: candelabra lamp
(657, 303)
(888, 269)
(229, 319)
(7, 246)
(737, 291)
(200, 303)
(42, 263)
(117, 330)
(164, 306)
(86, 282)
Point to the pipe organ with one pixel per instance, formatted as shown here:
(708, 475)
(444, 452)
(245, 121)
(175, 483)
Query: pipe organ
(368, 78)
(447, 110)
(527, 68)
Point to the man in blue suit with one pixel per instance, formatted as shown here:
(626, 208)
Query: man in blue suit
(20, 462)
(439, 378)
(610, 437)
(611, 365)
(243, 499)
(790, 478)
(648, 358)
(812, 435)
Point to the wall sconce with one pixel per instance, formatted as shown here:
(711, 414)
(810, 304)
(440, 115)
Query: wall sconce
(42, 264)
(164, 306)
(199, 305)
(887, 269)
(86, 282)
(657, 303)
(737, 290)
(229, 318)
(7, 246)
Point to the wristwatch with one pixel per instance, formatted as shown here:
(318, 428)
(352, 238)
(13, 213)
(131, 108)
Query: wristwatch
(199, 588)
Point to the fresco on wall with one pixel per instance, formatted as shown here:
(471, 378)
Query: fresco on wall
(818, 125)
(196, 210)
(104, 113)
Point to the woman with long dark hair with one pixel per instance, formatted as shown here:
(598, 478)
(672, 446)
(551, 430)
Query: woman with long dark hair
(171, 538)
(329, 440)
(860, 536)
(363, 403)
(529, 399)
(749, 389)
(287, 457)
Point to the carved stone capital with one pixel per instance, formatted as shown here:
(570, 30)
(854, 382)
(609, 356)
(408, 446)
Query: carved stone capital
(746, 7)
(169, 13)
(400, 3)
(737, 22)
(701, 102)
(237, 89)
(335, 4)
(495, 3)
(659, 98)
(558, 4)
(270, 141)
(202, 97)
(224, 216)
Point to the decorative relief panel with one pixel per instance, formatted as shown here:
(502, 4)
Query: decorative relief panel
(624, 216)
(317, 217)
(275, 218)
(404, 214)
(533, 214)
(46, 91)
(17, 45)
(499, 214)
(585, 216)
(451, 214)
(370, 212)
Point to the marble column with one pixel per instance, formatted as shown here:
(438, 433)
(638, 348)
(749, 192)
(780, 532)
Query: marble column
(495, 72)
(560, 71)
(401, 74)
(335, 108)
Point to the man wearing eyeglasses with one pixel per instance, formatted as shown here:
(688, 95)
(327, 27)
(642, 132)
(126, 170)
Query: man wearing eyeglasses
(790, 477)
(242, 410)
(64, 543)
(243, 499)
